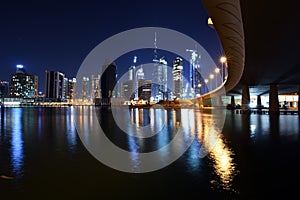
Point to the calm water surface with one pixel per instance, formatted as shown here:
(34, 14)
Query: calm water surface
(252, 157)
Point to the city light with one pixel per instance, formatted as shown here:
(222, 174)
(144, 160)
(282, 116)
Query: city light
(20, 66)
(134, 59)
(223, 59)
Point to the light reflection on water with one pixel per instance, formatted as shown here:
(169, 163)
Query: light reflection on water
(194, 123)
(17, 142)
(208, 137)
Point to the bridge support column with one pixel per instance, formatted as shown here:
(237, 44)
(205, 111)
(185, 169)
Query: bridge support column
(258, 102)
(232, 102)
(219, 101)
(245, 99)
(273, 99)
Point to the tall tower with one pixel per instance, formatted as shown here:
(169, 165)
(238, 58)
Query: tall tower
(132, 78)
(177, 77)
(55, 85)
(160, 76)
(194, 75)
(95, 86)
(71, 90)
(85, 84)
(140, 73)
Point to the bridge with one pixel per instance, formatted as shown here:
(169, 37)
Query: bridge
(261, 42)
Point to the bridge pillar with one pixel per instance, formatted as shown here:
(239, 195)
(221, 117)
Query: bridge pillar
(245, 98)
(232, 102)
(273, 99)
(258, 101)
(219, 101)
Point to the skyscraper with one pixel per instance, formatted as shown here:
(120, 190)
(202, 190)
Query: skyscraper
(71, 89)
(108, 82)
(195, 76)
(55, 85)
(140, 73)
(160, 76)
(23, 85)
(95, 86)
(177, 77)
(144, 89)
(128, 92)
(132, 77)
(85, 85)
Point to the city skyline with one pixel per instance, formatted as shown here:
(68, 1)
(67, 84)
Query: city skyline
(60, 42)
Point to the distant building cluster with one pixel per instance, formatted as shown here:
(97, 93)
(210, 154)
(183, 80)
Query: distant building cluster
(23, 88)
(103, 89)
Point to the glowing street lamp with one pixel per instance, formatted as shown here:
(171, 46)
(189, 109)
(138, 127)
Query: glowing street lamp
(223, 60)
(206, 81)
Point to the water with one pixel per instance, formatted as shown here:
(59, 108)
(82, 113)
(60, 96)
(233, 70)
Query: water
(252, 157)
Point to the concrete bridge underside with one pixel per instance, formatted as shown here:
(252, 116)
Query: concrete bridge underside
(261, 42)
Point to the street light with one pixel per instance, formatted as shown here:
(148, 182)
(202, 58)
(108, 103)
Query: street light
(206, 81)
(217, 70)
(223, 60)
(199, 86)
(211, 76)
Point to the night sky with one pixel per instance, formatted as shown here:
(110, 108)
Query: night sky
(58, 35)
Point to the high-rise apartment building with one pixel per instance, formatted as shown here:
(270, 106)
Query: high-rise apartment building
(55, 85)
(177, 77)
(22, 84)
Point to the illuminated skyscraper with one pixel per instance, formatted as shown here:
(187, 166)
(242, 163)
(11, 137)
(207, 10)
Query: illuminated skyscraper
(194, 76)
(160, 75)
(140, 73)
(95, 86)
(55, 85)
(23, 85)
(70, 95)
(128, 90)
(144, 89)
(177, 77)
(132, 77)
(85, 85)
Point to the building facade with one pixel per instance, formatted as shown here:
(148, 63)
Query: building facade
(22, 84)
(177, 78)
(55, 85)
(128, 90)
(160, 77)
(144, 89)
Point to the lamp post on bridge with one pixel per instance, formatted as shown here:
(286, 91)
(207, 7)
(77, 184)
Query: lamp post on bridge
(223, 61)
(206, 81)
